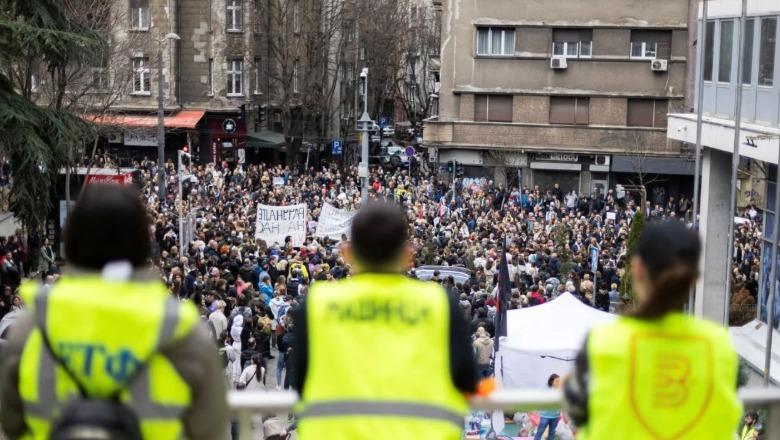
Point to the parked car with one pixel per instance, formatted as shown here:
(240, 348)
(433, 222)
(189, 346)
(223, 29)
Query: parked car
(392, 155)
(388, 132)
(460, 274)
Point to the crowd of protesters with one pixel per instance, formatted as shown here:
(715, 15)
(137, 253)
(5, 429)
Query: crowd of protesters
(245, 288)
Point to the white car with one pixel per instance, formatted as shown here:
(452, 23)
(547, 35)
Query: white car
(388, 131)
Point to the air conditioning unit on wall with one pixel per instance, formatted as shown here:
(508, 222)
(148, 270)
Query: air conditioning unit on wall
(602, 159)
(658, 65)
(558, 63)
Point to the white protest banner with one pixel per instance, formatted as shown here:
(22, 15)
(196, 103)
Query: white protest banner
(612, 216)
(275, 223)
(333, 222)
(278, 181)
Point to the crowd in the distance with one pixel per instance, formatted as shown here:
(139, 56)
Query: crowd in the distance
(245, 288)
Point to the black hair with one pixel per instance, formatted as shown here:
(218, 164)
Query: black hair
(670, 253)
(379, 233)
(109, 223)
(551, 380)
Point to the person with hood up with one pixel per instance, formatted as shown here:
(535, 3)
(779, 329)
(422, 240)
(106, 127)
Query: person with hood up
(465, 305)
(483, 351)
(235, 331)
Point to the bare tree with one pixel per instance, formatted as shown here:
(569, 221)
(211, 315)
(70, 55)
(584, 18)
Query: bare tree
(305, 45)
(382, 49)
(417, 82)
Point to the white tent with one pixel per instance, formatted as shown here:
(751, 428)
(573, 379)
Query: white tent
(545, 339)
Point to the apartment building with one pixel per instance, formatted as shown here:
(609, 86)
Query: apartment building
(225, 85)
(570, 92)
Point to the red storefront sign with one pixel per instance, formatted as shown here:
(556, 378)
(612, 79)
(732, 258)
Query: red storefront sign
(116, 179)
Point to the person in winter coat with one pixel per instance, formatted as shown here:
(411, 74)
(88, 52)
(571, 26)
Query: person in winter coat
(483, 349)
(218, 320)
(236, 330)
(230, 354)
(465, 305)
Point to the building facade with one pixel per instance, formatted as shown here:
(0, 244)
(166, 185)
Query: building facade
(758, 143)
(236, 63)
(574, 92)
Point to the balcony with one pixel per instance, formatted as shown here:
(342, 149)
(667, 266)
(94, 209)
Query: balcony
(246, 403)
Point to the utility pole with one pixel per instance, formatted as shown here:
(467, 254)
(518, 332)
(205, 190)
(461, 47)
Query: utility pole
(161, 117)
(363, 126)
(160, 127)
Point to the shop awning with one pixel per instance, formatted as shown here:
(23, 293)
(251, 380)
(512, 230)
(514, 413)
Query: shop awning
(265, 139)
(182, 119)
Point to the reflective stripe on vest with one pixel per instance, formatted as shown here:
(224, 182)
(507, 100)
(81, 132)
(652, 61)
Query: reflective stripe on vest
(394, 333)
(139, 388)
(363, 408)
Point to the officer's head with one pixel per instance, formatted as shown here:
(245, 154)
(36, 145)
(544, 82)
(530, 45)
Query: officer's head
(379, 236)
(109, 223)
(664, 267)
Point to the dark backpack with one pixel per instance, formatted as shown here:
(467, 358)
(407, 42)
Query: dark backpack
(89, 417)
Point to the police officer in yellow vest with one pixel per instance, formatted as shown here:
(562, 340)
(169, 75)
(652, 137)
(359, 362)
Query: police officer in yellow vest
(116, 334)
(657, 373)
(379, 355)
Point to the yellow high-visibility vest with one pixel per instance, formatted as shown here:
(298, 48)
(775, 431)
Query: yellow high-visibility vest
(379, 362)
(105, 331)
(672, 378)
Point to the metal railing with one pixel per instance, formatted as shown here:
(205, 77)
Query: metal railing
(244, 404)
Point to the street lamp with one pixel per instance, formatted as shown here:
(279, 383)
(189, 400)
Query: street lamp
(364, 124)
(161, 117)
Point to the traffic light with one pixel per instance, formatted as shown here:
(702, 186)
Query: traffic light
(459, 169)
(261, 114)
(450, 166)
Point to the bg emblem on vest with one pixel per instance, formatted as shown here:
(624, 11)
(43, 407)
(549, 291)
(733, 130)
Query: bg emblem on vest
(671, 382)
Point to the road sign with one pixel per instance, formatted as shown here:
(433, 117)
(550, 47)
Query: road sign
(337, 147)
(241, 156)
(409, 151)
(229, 126)
(383, 122)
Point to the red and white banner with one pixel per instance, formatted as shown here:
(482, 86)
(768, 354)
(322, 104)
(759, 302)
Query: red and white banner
(117, 179)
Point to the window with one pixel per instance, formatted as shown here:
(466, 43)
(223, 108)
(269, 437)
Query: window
(709, 41)
(295, 77)
(99, 78)
(258, 85)
(572, 43)
(141, 79)
(210, 85)
(296, 16)
(235, 78)
(34, 82)
(747, 52)
(569, 110)
(766, 52)
(726, 40)
(495, 41)
(234, 17)
(493, 108)
(647, 45)
(139, 15)
(362, 53)
(647, 113)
